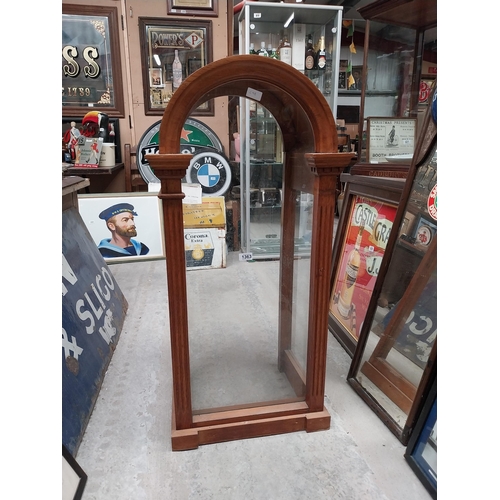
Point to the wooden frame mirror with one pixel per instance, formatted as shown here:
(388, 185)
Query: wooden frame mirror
(161, 39)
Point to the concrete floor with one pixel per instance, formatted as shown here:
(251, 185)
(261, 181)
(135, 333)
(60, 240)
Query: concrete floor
(126, 450)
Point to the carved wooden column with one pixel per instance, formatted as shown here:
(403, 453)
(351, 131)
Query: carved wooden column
(170, 169)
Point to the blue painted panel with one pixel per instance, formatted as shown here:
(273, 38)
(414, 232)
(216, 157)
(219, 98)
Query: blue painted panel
(93, 312)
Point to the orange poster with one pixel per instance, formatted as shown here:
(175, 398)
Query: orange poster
(367, 234)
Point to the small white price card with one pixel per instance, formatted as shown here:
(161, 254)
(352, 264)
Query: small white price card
(246, 256)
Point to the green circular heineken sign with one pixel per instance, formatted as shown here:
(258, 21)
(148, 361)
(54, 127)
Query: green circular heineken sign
(195, 134)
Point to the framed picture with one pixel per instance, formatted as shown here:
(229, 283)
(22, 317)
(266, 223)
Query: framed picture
(391, 140)
(73, 477)
(156, 77)
(207, 8)
(125, 226)
(160, 40)
(364, 235)
(91, 67)
(374, 201)
(357, 74)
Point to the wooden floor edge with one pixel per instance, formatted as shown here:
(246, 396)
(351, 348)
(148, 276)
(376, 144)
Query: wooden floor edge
(189, 439)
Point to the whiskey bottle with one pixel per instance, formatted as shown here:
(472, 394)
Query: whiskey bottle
(351, 273)
(252, 49)
(310, 61)
(285, 50)
(263, 51)
(321, 55)
(176, 71)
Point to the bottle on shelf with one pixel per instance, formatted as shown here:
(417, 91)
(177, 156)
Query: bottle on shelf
(285, 49)
(176, 71)
(251, 49)
(310, 61)
(321, 55)
(351, 274)
(274, 54)
(263, 51)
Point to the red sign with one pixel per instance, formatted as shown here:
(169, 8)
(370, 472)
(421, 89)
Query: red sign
(425, 91)
(432, 203)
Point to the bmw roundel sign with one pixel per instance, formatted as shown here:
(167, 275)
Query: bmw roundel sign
(212, 171)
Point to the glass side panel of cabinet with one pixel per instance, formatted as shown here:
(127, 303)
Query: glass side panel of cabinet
(390, 71)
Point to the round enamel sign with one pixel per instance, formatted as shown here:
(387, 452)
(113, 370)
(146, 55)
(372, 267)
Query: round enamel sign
(212, 170)
(195, 136)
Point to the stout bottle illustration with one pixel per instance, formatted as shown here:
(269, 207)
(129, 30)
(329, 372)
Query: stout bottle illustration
(351, 273)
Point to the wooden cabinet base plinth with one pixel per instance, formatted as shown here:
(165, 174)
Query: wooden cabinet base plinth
(189, 439)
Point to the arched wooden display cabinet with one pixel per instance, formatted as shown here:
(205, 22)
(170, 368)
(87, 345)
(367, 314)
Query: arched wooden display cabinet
(311, 165)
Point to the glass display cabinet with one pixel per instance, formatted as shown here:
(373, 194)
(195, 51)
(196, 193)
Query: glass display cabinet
(226, 387)
(399, 45)
(272, 25)
(395, 359)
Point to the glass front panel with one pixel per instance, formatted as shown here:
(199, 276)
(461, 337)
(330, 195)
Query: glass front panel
(258, 354)
(301, 276)
(404, 328)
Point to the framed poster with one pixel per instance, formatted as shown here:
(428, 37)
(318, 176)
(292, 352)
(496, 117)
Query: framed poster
(91, 66)
(391, 139)
(125, 226)
(160, 40)
(193, 7)
(367, 230)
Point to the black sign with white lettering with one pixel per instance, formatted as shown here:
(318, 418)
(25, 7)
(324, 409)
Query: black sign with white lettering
(93, 312)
